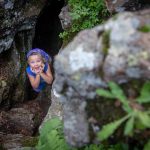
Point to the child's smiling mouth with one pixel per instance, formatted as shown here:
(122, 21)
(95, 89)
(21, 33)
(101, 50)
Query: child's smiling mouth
(36, 67)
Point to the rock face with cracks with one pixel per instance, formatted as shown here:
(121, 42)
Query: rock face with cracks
(18, 19)
(126, 5)
(116, 51)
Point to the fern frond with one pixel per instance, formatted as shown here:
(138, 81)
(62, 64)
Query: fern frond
(109, 129)
(144, 94)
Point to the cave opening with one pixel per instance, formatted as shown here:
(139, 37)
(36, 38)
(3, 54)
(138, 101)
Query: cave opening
(48, 28)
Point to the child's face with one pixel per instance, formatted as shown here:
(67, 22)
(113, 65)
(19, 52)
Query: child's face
(35, 61)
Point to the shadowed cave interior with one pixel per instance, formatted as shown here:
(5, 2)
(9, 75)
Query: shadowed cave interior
(48, 28)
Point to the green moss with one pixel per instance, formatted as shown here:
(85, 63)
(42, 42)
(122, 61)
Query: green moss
(37, 119)
(30, 142)
(106, 41)
(145, 28)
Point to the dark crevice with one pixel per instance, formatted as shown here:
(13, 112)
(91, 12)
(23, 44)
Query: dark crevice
(48, 28)
(135, 5)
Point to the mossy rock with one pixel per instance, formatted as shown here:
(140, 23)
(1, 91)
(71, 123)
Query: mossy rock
(30, 142)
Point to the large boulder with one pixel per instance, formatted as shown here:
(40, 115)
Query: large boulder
(116, 51)
(22, 119)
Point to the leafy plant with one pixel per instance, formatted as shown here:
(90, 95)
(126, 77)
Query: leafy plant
(147, 146)
(134, 119)
(51, 136)
(84, 14)
(145, 28)
(145, 93)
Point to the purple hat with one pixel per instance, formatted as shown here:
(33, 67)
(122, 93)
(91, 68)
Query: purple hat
(41, 52)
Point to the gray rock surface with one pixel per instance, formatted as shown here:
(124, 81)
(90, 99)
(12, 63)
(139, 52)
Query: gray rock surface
(116, 51)
(65, 17)
(18, 19)
(126, 5)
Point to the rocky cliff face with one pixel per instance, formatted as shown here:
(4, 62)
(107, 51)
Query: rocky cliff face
(126, 5)
(25, 25)
(18, 20)
(17, 16)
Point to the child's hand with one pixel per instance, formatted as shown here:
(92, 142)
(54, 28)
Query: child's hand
(38, 70)
(33, 70)
(42, 67)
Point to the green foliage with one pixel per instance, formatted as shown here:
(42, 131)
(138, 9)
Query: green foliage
(115, 93)
(94, 147)
(133, 115)
(84, 14)
(119, 146)
(145, 28)
(129, 126)
(108, 129)
(147, 146)
(144, 94)
(51, 136)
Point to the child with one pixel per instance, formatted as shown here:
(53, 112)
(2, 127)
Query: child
(38, 69)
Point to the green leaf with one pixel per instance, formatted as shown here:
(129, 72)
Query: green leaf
(117, 91)
(46, 129)
(52, 137)
(109, 129)
(147, 146)
(144, 94)
(129, 126)
(144, 118)
(50, 125)
(53, 140)
(119, 94)
(104, 93)
(94, 147)
(139, 125)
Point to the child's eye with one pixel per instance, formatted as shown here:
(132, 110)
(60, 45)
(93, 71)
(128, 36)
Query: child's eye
(32, 62)
(38, 60)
